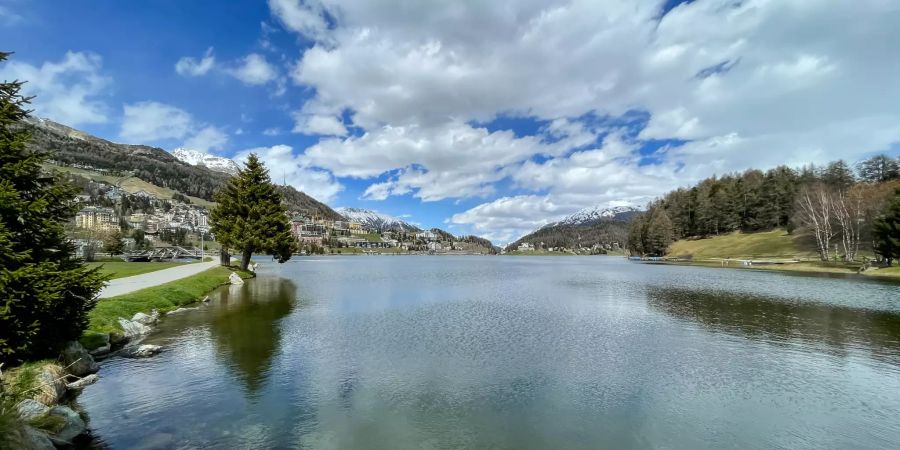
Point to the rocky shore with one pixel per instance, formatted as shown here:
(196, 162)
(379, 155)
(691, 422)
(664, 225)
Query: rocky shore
(45, 391)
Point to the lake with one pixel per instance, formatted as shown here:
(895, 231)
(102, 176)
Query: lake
(514, 352)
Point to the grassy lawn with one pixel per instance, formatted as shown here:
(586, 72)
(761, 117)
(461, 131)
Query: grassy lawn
(165, 297)
(768, 244)
(122, 269)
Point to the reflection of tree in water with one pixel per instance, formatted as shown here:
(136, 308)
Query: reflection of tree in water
(244, 326)
(782, 321)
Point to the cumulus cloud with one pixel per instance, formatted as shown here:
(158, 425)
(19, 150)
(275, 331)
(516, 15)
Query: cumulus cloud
(319, 124)
(254, 69)
(193, 67)
(66, 91)
(285, 166)
(752, 83)
(153, 122)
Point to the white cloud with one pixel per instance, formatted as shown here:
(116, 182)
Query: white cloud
(274, 131)
(319, 124)
(751, 84)
(207, 138)
(255, 70)
(153, 122)
(66, 91)
(190, 66)
(285, 166)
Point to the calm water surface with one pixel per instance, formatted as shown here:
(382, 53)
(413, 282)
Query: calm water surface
(514, 352)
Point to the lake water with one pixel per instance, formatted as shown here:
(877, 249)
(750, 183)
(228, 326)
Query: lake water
(514, 352)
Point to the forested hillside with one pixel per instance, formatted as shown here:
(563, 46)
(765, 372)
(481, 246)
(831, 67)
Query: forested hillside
(835, 205)
(71, 147)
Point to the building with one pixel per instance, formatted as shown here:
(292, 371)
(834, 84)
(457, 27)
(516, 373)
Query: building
(525, 247)
(356, 228)
(427, 236)
(97, 219)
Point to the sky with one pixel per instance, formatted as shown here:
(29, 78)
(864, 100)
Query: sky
(488, 118)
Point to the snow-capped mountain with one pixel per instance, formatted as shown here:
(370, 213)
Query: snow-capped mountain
(593, 214)
(211, 162)
(376, 220)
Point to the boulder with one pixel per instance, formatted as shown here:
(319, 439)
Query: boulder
(77, 360)
(235, 279)
(141, 351)
(51, 384)
(145, 319)
(31, 409)
(74, 425)
(80, 384)
(37, 440)
(133, 329)
(101, 351)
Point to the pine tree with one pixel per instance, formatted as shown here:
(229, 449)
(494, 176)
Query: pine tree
(46, 291)
(878, 168)
(886, 231)
(250, 217)
(659, 233)
(113, 243)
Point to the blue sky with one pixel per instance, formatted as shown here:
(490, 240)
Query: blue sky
(490, 118)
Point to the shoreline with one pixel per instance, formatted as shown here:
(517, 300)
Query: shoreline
(809, 268)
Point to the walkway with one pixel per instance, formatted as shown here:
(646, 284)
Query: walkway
(126, 285)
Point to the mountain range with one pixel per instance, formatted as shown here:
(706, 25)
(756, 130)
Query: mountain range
(75, 149)
(211, 162)
(377, 221)
(595, 225)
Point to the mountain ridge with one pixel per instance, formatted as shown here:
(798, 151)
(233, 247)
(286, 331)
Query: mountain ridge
(377, 221)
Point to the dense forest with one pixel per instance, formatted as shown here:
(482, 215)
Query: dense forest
(604, 233)
(71, 147)
(836, 205)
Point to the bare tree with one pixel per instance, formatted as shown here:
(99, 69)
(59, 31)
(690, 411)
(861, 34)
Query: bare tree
(815, 211)
(849, 214)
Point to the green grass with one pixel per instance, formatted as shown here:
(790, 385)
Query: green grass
(371, 237)
(165, 297)
(122, 269)
(767, 244)
(21, 382)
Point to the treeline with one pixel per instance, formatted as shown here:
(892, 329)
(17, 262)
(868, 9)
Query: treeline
(835, 204)
(604, 233)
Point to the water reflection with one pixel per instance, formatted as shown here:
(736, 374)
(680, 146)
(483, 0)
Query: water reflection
(245, 329)
(836, 329)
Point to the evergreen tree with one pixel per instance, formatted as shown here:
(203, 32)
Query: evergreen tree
(46, 291)
(659, 233)
(886, 231)
(250, 217)
(878, 168)
(113, 243)
(838, 175)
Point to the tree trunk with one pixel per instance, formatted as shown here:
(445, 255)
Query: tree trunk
(224, 257)
(245, 259)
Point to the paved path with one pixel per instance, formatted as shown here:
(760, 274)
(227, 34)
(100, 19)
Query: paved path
(125, 285)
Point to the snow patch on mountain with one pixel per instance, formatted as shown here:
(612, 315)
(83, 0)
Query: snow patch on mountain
(211, 162)
(376, 220)
(597, 213)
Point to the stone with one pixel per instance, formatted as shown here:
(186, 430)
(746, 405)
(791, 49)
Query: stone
(37, 440)
(102, 350)
(77, 360)
(206, 299)
(133, 329)
(145, 319)
(80, 384)
(51, 384)
(74, 424)
(141, 351)
(235, 279)
(31, 409)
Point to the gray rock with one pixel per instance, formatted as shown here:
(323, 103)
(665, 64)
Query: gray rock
(31, 409)
(235, 279)
(77, 360)
(74, 425)
(102, 350)
(141, 351)
(37, 439)
(133, 329)
(80, 384)
(51, 384)
(145, 319)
